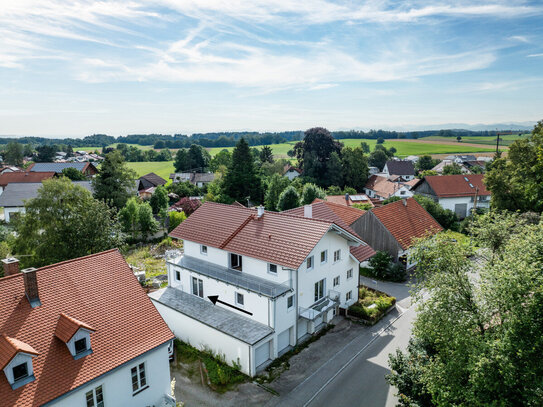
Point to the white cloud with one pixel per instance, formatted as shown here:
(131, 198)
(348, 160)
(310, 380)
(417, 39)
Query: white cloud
(535, 55)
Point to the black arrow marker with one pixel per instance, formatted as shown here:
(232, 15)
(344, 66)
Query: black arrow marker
(215, 299)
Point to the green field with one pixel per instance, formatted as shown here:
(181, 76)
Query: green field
(111, 145)
(506, 140)
(403, 147)
(160, 168)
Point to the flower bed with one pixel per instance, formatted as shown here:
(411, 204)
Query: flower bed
(371, 306)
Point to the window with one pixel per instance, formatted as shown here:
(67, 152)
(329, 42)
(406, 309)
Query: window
(235, 261)
(239, 299)
(336, 281)
(337, 255)
(197, 287)
(349, 296)
(402, 192)
(20, 371)
(324, 256)
(139, 382)
(319, 289)
(290, 302)
(349, 273)
(203, 249)
(177, 275)
(272, 268)
(309, 263)
(95, 397)
(80, 345)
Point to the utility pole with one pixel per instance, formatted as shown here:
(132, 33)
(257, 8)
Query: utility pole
(497, 144)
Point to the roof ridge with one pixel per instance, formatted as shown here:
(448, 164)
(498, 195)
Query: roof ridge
(88, 256)
(235, 232)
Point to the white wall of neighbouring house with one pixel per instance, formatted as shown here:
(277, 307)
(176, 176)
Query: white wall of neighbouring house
(202, 336)
(291, 174)
(451, 203)
(117, 385)
(8, 212)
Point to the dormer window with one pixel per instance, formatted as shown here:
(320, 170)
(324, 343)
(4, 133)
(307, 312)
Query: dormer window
(16, 361)
(75, 334)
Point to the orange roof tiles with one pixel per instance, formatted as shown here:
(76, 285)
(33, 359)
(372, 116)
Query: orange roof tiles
(452, 186)
(362, 252)
(9, 347)
(99, 289)
(9, 177)
(382, 186)
(68, 326)
(406, 220)
(278, 238)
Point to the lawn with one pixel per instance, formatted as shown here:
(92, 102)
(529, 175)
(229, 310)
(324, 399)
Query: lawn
(114, 145)
(160, 168)
(403, 147)
(506, 140)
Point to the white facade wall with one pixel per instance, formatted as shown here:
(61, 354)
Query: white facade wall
(450, 203)
(291, 174)
(8, 212)
(20, 358)
(117, 385)
(201, 336)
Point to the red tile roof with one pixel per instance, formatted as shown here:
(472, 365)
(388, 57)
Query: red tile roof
(382, 186)
(362, 252)
(68, 326)
(99, 289)
(406, 220)
(452, 186)
(278, 238)
(9, 177)
(9, 347)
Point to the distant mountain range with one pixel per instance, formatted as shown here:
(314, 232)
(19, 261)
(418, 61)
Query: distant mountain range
(525, 126)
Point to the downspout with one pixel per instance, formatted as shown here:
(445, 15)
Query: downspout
(297, 311)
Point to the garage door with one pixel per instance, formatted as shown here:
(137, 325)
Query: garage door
(283, 340)
(461, 210)
(262, 354)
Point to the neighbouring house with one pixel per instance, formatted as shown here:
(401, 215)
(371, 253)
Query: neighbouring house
(445, 163)
(81, 333)
(475, 165)
(394, 227)
(86, 168)
(347, 199)
(15, 194)
(21, 177)
(402, 168)
(251, 283)
(382, 188)
(413, 158)
(291, 172)
(200, 179)
(373, 170)
(187, 205)
(459, 193)
(150, 180)
(458, 158)
(9, 168)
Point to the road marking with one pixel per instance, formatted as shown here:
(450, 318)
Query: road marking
(350, 360)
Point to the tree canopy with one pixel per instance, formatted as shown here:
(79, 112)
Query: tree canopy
(63, 222)
(114, 183)
(242, 181)
(288, 199)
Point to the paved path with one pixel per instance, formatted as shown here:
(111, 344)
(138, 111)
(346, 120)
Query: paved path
(353, 374)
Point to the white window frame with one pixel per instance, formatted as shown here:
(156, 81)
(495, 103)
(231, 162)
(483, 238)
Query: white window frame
(239, 263)
(141, 378)
(325, 256)
(236, 298)
(337, 255)
(291, 305)
(349, 274)
(203, 249)
(336, 279)
(320, 290)
(199, 287)
(311, 260)
(270, 270)
(349, 295)
(177, 274)
(94, 394)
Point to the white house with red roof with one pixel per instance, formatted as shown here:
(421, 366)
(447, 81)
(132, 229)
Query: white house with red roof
(251, 283)
(291, 172)
(81, 333)
(459, 193)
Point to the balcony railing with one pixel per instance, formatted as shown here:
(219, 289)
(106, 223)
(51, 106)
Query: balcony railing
(234, 277)
(320, 307)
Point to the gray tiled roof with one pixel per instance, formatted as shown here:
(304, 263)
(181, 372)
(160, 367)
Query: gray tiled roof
(56, 167)
(16, 193)
(234, 277)
(400, 167)
(237, 326)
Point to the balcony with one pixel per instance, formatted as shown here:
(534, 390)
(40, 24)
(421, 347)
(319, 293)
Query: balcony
(320, 307)
(234, 277)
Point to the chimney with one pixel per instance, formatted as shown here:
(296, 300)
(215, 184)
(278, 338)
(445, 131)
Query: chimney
(347, 198)
(11, 266)
(31, 286)
(259, 211)
(404, 201)
(308, 211)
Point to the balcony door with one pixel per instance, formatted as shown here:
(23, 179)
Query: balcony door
(319, 289)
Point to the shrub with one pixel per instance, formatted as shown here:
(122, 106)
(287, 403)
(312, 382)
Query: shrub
(382, 267)
(380, 263)
(176, 218)
(397, 272)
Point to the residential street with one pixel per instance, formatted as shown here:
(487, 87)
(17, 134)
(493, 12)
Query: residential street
(354, 375)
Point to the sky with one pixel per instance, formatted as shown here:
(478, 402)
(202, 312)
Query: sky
(74, 68)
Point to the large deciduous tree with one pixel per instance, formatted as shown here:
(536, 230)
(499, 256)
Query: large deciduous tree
(355, 167)
(242, 181)
(64, 221)
(318, 147)
(288, 199)
(13, 154)
(477, 337)
(115, 182)
(276, 185)
(516, 182)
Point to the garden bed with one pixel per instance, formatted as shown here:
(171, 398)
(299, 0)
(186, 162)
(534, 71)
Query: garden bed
(372, 305)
